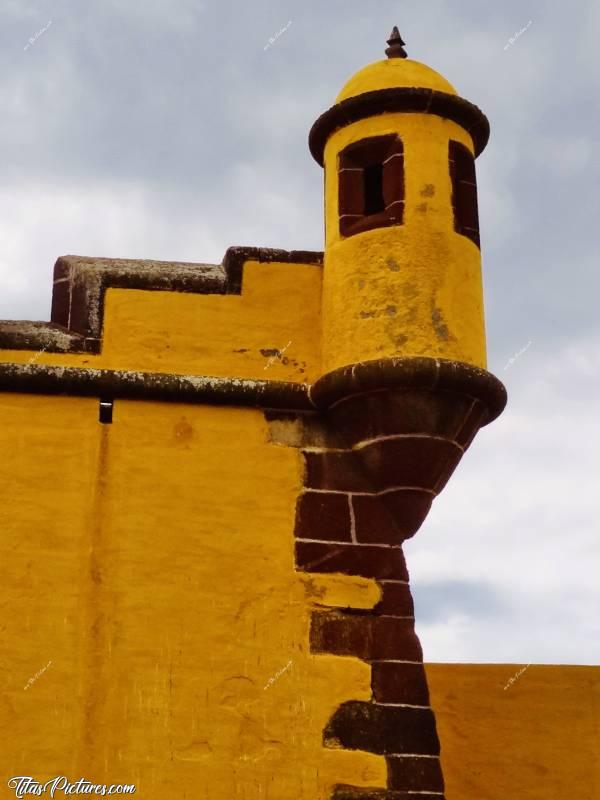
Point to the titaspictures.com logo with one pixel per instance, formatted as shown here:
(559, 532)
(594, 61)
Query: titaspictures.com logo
(25, 785)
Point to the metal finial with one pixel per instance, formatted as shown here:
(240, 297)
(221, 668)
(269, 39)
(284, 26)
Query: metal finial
(396, 45)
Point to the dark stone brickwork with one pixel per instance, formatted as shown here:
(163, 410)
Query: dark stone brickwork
(385, 730)
(391, 434)
(354, 793)
(352, 519)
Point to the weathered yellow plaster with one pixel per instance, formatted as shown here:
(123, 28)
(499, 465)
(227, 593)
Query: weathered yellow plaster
(152, 561)
(537, 738)
(223, 335)
(220, 335)
(332, 590)
(408, 290)
(394, 73)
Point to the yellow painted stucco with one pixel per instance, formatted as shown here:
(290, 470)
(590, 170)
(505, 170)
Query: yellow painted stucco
(518, 731)
(157, 636)
(409, 290)
(155, 629)
(151, 562)
(210, 334)
(394, 73)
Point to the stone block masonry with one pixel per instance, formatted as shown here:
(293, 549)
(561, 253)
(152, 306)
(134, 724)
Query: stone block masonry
(343, 525)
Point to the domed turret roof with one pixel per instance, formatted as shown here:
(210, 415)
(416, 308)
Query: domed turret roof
(398, 85)
(394, 73)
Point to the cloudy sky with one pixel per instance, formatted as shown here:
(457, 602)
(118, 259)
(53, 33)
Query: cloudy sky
(172, 129)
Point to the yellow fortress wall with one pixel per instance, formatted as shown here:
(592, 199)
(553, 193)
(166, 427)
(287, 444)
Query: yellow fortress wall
(223, 335)
(169, 621)
(538, 738)
(166, 616)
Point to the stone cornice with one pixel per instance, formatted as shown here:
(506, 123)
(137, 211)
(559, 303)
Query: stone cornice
(411, 372)
(114, 384)
(405, 100)
(346, 382)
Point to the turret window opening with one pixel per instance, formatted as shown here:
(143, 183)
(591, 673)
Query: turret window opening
(371, 184)
(464, 191)
(373, 189)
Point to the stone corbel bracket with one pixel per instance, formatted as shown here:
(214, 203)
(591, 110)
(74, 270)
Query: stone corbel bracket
(395, 431)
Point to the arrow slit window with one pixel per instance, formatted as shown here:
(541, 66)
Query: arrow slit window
(464, 191)
(371, 184)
